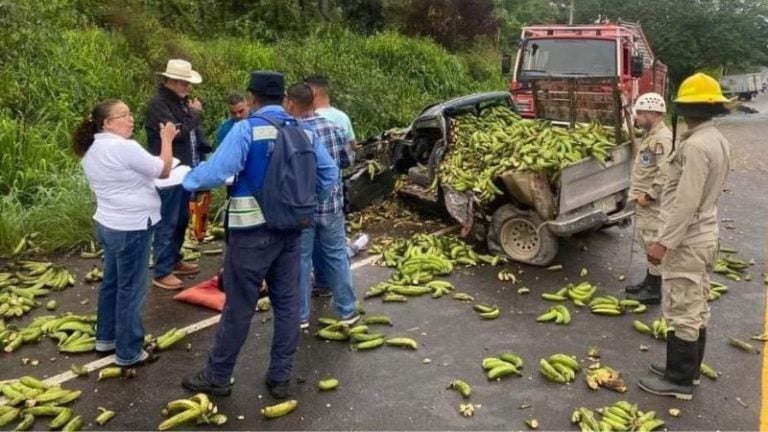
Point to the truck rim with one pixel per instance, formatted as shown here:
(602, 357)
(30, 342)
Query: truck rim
(519, 239)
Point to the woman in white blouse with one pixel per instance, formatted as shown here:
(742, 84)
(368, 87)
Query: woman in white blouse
(121, 174)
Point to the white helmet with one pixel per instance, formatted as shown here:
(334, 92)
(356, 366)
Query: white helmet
(651, 102)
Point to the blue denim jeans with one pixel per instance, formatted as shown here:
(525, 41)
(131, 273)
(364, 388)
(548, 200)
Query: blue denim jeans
(318, 267)
(169, 233)
(328, 243)
(123, 289)
(252, 256)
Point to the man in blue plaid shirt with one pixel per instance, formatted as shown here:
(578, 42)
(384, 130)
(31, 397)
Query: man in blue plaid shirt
(327, 239)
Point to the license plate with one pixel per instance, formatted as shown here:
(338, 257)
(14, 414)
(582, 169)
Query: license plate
(607, 204)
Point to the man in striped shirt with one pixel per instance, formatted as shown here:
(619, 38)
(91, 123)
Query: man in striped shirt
(321, 100)
(328, 237)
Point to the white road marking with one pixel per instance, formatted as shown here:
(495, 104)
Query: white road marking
(200, 325)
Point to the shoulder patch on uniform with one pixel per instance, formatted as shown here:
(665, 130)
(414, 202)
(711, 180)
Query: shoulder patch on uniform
(658, 149)
(647, 158)
(263, 133)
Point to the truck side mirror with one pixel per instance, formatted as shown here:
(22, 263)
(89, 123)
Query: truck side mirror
(506, 63)
(637, 66)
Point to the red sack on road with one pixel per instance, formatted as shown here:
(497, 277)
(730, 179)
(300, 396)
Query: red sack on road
(205, 294)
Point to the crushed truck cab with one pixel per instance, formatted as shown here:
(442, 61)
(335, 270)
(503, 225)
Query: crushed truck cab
(532, 209)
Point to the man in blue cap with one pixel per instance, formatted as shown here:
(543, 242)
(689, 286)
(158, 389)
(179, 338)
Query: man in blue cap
(254, 251)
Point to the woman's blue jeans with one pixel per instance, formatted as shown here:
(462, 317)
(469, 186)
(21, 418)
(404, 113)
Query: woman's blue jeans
(121, 298)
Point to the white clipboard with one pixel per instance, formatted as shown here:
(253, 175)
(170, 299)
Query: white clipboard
(175, 177)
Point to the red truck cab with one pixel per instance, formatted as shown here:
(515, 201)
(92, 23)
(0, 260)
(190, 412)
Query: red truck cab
(618, 50)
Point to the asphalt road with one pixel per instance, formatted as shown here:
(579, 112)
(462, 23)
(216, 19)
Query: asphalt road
(398, 389)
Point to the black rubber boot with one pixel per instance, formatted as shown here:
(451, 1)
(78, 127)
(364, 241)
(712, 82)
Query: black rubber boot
(634, 289)
(702, 345)
(682, 362)
(651, 295)
(659, 369)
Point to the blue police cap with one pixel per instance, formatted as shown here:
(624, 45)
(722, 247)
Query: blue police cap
(267, 83)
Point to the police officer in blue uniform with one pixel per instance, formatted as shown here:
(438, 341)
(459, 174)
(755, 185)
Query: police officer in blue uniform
(254, 252)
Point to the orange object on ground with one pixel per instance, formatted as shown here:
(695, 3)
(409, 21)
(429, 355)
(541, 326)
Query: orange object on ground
(206, 294)
(198, 210)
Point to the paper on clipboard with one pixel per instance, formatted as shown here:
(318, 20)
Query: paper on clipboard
(175, 177)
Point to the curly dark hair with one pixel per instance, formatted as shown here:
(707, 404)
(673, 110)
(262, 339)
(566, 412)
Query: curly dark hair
(82, 138)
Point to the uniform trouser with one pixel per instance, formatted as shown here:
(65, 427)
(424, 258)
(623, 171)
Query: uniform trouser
(685, 275)
(647, 238)
(252, 256)
(648, 224)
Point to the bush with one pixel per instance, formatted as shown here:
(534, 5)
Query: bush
(41, 187)
(382, 81)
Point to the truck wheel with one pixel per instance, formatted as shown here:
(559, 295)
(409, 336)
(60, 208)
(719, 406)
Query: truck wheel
(521, 235)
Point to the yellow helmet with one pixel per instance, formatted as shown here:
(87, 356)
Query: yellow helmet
(700, 88)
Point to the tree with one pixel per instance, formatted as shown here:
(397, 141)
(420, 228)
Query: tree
(454, 24)
(515, 14)
(365, 16)
(693, 35)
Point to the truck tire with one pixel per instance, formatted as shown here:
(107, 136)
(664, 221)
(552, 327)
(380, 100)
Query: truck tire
(522, 236)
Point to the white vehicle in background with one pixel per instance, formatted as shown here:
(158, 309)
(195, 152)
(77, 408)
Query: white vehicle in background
(745, 86)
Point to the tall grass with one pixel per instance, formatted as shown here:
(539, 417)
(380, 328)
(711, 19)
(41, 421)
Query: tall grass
(382, 81)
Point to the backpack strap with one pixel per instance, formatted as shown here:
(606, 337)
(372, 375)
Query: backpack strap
(273, 121)
(277, 125)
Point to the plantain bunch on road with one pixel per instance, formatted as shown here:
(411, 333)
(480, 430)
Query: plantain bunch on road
(73, 333)
(621, 416)
(29, 398)
(419, 260)
(198, 408)
(498, 140)
(20, 288)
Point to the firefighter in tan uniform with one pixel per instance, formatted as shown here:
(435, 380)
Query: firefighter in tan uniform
(688, 239)
(647, 182)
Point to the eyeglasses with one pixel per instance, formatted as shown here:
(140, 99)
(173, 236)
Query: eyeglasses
(128, 114)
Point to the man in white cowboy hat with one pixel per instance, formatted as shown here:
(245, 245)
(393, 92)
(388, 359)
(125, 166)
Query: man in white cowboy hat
(172, 103)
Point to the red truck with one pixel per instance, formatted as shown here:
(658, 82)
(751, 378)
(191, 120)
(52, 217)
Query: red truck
(618, 50)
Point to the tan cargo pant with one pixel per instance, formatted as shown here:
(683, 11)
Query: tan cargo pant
(685, 288)
(647, 238)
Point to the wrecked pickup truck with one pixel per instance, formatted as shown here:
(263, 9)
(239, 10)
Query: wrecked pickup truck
(532, 209)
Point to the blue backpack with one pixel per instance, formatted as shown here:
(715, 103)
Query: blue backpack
(288, 194)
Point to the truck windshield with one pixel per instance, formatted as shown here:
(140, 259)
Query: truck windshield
(553, 57)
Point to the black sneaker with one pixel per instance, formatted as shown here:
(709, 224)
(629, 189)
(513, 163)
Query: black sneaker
(199, 383)
(279, 389)
(321, 292)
